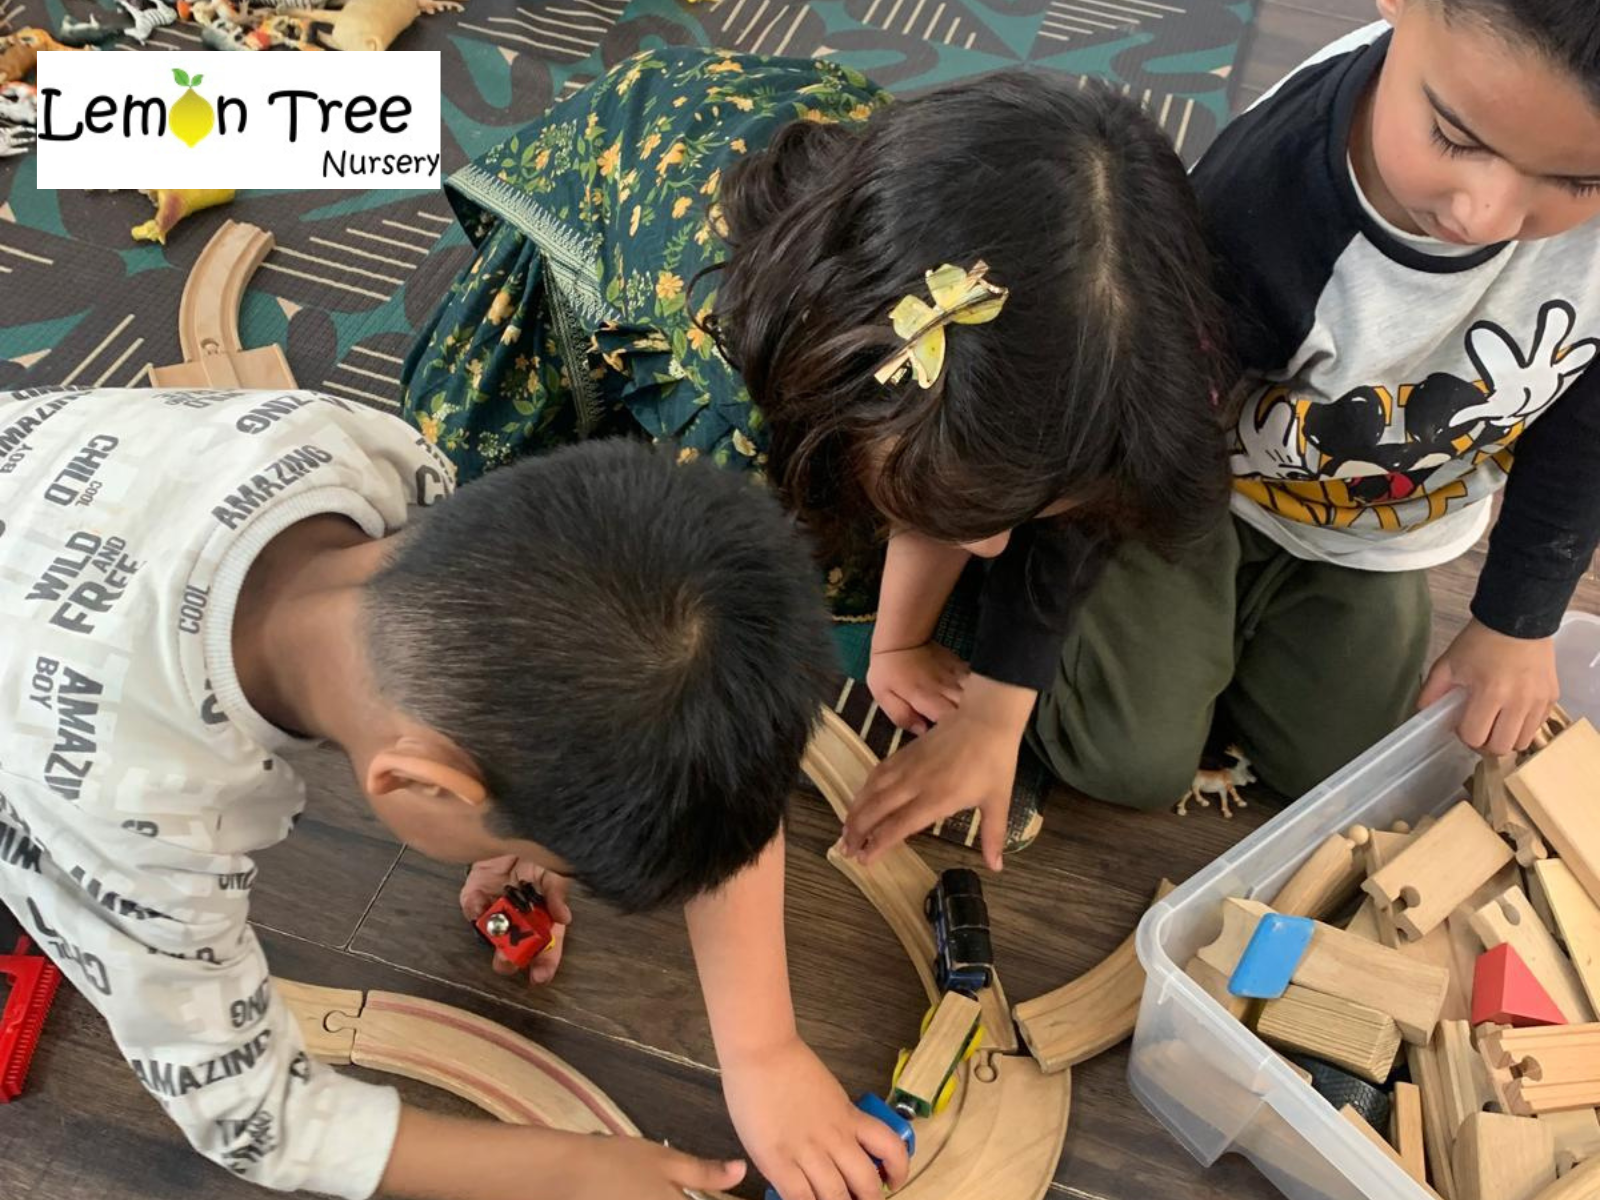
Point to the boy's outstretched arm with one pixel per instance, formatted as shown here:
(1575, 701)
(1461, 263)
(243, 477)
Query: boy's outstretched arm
(791, 1114)
(454, 1158)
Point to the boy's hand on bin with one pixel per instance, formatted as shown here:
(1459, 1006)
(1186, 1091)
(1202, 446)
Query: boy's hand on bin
(488, 880)
(1511, 686)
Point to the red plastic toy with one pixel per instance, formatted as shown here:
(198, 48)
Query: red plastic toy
(518, 925)
(1505, 991)
(34, 980)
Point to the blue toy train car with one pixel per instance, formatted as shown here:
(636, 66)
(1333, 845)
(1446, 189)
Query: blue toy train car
(960, 918)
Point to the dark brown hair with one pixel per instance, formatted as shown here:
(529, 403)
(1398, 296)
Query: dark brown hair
(1566, 32)
(1099, 381)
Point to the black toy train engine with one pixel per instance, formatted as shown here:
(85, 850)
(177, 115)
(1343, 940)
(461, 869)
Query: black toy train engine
(960, 919)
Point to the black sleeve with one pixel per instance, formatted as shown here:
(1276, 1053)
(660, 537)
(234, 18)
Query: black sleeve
(1550, 521)
(1029, 595)
(1278, 205)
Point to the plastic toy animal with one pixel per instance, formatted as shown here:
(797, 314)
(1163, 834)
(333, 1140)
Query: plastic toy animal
(148, 16)
(1223, 784)
(86, 33)
(15, 140)
(19, 52)
(369, 24)
(19, 103)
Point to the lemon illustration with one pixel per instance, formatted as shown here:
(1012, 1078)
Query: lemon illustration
(191, 117)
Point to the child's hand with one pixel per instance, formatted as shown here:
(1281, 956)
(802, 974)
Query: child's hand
(490, 877)
(961, 763)
(802, 1131)
(1511, 686)
(917, 686)
(453, 1158)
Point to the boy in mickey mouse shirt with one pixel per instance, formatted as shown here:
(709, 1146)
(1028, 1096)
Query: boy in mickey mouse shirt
(1408, 227)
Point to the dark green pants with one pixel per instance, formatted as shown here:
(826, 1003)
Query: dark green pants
(1303, 664)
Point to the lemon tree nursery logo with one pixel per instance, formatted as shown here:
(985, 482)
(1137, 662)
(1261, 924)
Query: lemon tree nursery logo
(191, 117)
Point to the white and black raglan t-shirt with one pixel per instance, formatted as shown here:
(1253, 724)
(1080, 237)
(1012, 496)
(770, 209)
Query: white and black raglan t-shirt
(1397, 382)
(135, 779)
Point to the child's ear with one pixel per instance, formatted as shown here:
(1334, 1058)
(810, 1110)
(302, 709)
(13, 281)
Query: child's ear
(403, 767)
(1390, 10)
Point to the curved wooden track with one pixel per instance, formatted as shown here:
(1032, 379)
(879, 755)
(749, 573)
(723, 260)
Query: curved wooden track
(1091, 1014)
(838, 762)
(1002, 1135)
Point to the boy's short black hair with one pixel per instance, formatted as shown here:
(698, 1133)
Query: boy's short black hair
(633, 651)
(1567, 32)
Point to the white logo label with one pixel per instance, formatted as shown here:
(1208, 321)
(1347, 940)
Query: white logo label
(297, 121)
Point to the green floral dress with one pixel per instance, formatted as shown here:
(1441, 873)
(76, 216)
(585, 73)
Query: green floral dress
(575, 318)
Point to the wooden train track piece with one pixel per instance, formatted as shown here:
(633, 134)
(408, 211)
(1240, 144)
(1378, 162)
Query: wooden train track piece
(1543, 1069)
(1093, 1013)
(1002, 1134)
(1509, 920)
(838, 762)
(1557, 788)
(1007, 1138)
(1437, 871)
(1505, 816)
(208, 319)
(1578, 918)
(503, 1073)
(1328, 878)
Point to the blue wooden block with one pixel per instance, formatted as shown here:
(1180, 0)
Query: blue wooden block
(1270, 960)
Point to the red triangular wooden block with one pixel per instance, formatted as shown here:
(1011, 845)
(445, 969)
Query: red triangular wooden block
(1505, 992)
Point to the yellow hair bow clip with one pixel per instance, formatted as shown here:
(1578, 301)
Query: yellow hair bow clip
(964, 297)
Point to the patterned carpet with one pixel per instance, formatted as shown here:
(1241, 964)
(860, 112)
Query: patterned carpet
(355, 272)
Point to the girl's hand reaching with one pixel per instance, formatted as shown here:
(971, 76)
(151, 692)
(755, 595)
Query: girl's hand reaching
(917, 686)
(969, 760)
(1511, 687)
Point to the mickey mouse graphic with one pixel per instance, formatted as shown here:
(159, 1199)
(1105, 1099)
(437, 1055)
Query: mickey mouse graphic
(1385, 452)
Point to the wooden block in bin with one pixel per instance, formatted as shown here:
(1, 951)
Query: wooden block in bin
(1437, 871)
(1509, 920)
(1362, 1040)
(1501, 1157)
(1358, 1122)
(1578, 919)
(1341, 964)
(1560, 789)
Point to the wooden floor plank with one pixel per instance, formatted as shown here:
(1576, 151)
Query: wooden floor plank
(318, 883)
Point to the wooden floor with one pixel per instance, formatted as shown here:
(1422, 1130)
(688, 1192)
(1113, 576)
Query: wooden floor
(341, 903)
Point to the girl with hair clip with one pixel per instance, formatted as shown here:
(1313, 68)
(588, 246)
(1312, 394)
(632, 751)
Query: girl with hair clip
(976, 329)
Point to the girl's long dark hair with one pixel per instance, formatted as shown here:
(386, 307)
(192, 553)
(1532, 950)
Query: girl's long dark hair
(1098, 383)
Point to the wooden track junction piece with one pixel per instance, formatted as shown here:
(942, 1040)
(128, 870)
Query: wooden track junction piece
(1088, 1016)
(208, 319)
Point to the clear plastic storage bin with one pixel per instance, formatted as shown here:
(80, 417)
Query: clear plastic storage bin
(1207, 1078)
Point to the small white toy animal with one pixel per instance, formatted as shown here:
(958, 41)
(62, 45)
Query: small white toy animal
(1223, 784)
